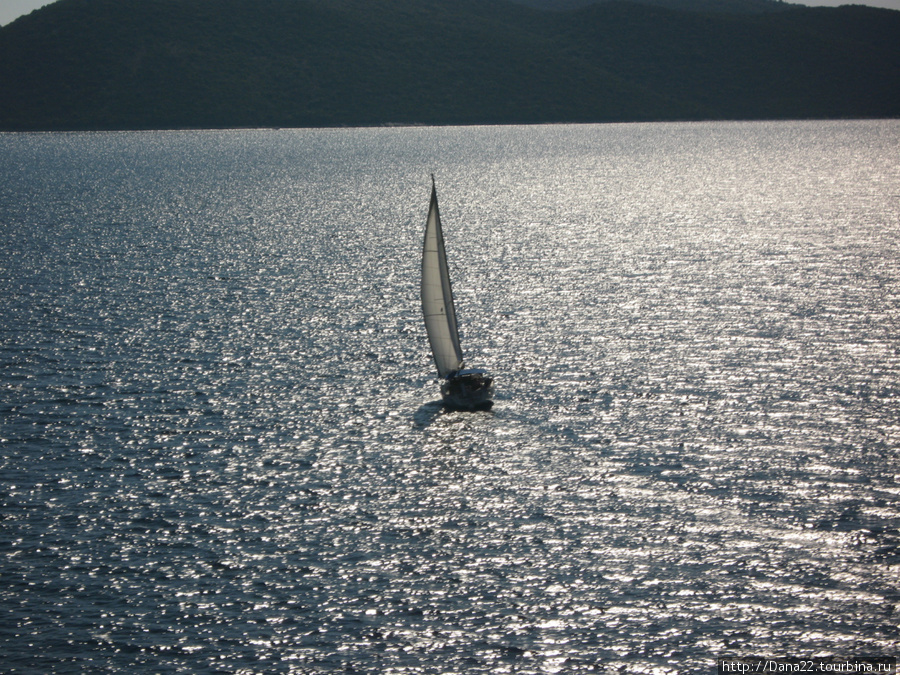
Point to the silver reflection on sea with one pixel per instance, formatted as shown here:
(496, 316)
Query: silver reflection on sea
(223, 450)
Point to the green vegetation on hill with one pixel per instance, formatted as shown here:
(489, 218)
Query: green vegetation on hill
(141, 64)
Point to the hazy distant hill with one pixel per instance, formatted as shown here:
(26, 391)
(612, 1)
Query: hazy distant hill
(130, 64)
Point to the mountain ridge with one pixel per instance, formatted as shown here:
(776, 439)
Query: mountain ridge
(715, 6)
(168, 64)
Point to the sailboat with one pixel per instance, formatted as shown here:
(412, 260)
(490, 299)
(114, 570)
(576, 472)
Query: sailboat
(467, 389)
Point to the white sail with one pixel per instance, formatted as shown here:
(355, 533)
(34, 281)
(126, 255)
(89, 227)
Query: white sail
(437, 298)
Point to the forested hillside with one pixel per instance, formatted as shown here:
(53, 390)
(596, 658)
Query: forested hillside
(137, 64)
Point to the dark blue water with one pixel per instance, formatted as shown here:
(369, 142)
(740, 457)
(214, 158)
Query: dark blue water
(222, 444)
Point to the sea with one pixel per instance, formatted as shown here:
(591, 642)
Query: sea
(223, 445)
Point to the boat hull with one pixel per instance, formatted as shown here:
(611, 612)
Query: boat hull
(468, 391)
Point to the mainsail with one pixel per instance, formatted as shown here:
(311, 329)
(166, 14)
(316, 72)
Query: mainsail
(437, 298)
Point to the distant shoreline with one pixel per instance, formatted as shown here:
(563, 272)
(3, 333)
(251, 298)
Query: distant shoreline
(439, 126)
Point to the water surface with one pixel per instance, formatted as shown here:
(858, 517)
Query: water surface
(223, 449)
